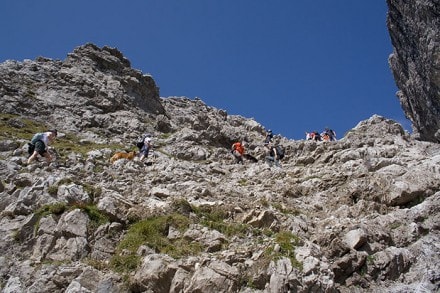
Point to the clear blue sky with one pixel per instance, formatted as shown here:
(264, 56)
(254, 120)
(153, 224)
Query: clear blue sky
(293, 65)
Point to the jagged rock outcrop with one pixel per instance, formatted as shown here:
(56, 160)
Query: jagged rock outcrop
(93, 88)
(414, 28)
(359, 213)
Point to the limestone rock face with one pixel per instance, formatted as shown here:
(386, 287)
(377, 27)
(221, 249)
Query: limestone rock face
(414, 27)
(92, 88)
(359, 212)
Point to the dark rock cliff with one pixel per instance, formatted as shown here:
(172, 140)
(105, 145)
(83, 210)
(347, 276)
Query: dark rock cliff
(414, 28)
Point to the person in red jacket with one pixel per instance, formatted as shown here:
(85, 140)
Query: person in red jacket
(238, 151)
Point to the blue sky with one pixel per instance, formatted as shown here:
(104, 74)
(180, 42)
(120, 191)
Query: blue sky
(292, 65)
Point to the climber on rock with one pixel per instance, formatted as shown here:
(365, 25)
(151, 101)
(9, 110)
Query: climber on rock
(39, 145)
(237, 151)
(330, 133)
(145, 146)
(274, 155)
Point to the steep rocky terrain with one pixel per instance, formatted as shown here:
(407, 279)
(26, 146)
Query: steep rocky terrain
(355, 215)
(414, 28)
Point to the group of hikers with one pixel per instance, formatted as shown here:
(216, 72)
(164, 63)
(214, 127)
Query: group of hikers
(327, 135)
(273, 152)
(40, 142)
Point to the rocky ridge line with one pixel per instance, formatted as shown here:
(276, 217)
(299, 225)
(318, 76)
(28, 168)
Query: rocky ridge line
(356, 213)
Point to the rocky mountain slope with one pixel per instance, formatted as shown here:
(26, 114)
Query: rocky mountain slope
(414, 28)
(355, 215)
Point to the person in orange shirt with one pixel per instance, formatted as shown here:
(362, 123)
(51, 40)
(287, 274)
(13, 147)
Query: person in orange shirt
(238, 151)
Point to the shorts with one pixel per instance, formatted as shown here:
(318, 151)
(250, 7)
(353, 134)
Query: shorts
(40, 147)
(145, 150)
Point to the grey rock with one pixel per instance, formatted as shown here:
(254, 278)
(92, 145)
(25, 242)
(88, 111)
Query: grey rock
(414, 27)
(8, 145)
(155, 274)
(216, 277)
(13, 285)
(73, 223)
(73, 193)
(66, 249)
(390, 263)
(355, 238)
(260, 219)
(180, 281)
(361, 212)
(211, 239)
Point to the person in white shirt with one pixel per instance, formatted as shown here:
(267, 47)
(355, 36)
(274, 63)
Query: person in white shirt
(148, 144)
(39, 145)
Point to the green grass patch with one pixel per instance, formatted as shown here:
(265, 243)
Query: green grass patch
(286, 210)
(93, 191)
(72, 143)
(182, 206)
(153, 233)
(16, 127)
(263, 232)
(243, 182)
(287, 243)
(98, 168)
(125, 263)
(395, 225)
(213, 218)
(165, 135)
(100, 265)
(263, 202)
(55, 209)
(97, 218)
(53, 189)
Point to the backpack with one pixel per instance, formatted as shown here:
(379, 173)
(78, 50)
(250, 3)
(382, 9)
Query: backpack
(280, 151)
(140, 144)
(37, 137)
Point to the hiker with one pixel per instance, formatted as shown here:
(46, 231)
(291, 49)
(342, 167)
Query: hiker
(145, 146)
(268, 138)
(275, 154)
(331, 134)
(39, 145)
(316, 136)
(325, 136)
(238, 150)
(268, 141)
